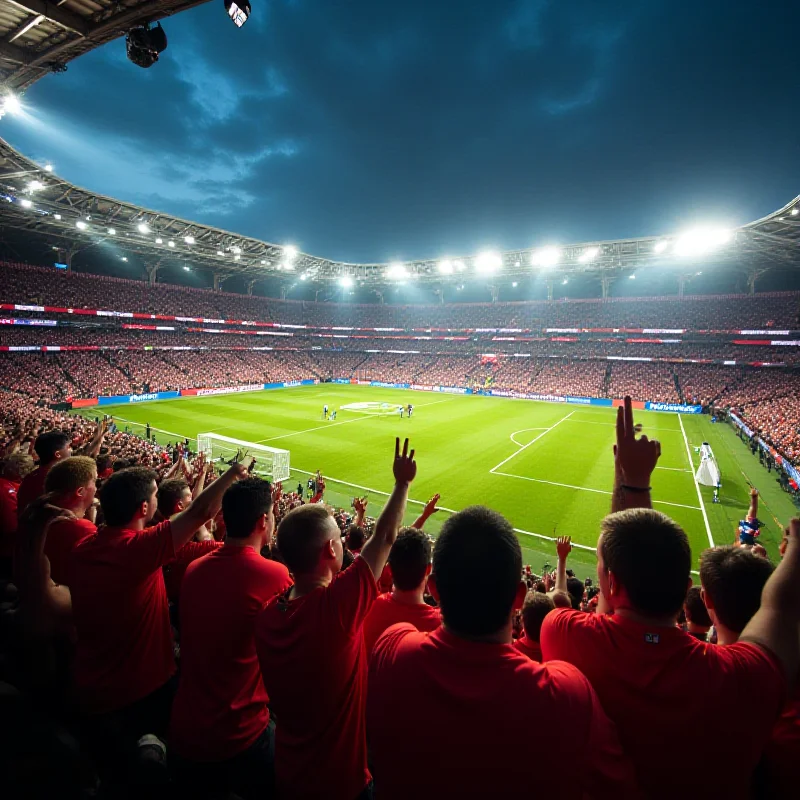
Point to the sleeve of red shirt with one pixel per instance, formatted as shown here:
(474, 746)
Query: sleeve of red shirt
(555, 637)
(152, 547)
(759, 675)
(191, 551)
(352, 594)
(388, 645)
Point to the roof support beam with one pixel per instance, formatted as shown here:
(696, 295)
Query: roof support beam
(61, 16)
(13, 53)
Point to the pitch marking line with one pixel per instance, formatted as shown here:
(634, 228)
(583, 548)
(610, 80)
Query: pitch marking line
(523, 430)
(345, 422)
(535, 439)
(696, 484)
(587, 489)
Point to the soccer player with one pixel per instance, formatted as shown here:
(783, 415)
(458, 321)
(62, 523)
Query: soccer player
(325, 411)
(433, 687)
(310, 645)
(410, 409)
(402, 410)
(220, 679)
(750, 526)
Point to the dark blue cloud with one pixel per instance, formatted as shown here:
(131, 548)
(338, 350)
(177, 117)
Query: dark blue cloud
(372, 131)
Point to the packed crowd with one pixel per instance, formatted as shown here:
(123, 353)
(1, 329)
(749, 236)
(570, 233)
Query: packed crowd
(179, 629)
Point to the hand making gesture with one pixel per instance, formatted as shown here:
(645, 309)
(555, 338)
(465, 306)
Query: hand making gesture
(404, 467)
(634, 459)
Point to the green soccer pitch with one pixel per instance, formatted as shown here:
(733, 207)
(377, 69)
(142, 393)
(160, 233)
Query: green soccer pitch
(546, 467)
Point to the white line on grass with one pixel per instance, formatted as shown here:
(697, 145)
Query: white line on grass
(532, 441)
(157, 430)
(696, 484)
(523, 430)
(614, 425)
(345, 422)
(586, 489)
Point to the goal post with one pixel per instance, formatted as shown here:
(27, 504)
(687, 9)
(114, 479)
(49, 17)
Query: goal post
(271, 462)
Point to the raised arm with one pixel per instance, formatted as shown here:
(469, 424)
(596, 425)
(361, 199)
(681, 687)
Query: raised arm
(775, 627)
(376, 551)
(563, 548)
(201, 480)
(208, 502)
(634, 462)
(360, 507)
(427, 512)
(93, 448)
(752, 512)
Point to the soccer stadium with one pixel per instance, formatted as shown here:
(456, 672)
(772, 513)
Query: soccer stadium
(267, 516)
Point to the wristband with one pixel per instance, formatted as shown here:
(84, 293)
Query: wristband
(635, 489)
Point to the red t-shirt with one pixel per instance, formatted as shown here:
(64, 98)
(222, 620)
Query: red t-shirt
(63, 536)
(530, 648)
(387, 611)
(175, 570)
(781, 762)
(32, 486)
(121, 615)
(8, 516)
(429, 694)
(314, 667)
(665, 690)
(221, 705)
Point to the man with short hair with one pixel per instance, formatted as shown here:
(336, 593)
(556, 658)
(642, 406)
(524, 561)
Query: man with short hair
(535, 608)
(466, 680)
(698, 623)
(14, 469)
(310, 645)
(51, 447)
(124, 659)
(72, 486)
(220, 729)
(662, 687)
(410, 564)
(732, 580)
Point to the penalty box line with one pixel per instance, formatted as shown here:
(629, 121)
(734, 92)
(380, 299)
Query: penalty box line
(535, 439)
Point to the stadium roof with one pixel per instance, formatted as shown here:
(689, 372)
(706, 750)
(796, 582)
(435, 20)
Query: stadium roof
(38, 37)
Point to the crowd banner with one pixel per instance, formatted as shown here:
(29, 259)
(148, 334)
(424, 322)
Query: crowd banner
(678, 408)
(384, 385)
(83, 402)
(118, 399)
(250, 387)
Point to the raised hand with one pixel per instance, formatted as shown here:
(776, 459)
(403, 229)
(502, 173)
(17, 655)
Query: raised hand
(430, 506)
(634, 459)
(563, 547)
(404, 467)
(360, 506)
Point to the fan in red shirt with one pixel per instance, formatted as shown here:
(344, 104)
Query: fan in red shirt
(51, 447)
(410, 562)
(220, 731)
(124, 658)
(71, 484)
(536, 607)
(467, 689)
(662, 687)
(15, 468)
(311, 648)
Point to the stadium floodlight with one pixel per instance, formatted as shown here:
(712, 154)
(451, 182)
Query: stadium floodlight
(111, 231)
(488, 262)
(545, 257)
(143, 227)
(188, 239)
(56, 216)
(515, 284)
(236, 258)
(589, 254)
(236, 250)
(446, 267)
(124, 258)
(459, 266)
(187, 269)
(631, 277)
(346, 282)
(238, 11)
(170, 243)
(48, 167)
(396, 271)
(10, 104)
(290, 252)
(143, 44)
(700, 241)
(795, 212)
(304, 277)
(25, 203)
(661, 246)
(81, 225)
(565, 282)
(220, 253)
(34, 186)
(263, 263)
(159, 240)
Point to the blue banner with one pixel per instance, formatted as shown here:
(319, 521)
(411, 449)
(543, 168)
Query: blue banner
(341, 380)
(116, 399)
(675, 407)
(389, 385)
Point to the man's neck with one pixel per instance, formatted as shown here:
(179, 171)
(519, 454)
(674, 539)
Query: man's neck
(726, 635)
(665, 621)
(305, 584)
(251, 541)
(409, 597)
(503, 636)
(693, 627)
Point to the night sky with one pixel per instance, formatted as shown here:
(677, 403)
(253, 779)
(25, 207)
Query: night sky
(372, 131)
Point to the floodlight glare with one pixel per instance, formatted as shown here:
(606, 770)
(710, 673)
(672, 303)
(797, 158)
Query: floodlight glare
(396, 271)
(34, 186)
(111, 231)
(589, 254)
(546, 257)
(48, 167)
(170, 243)
(186, 269)
(81, 225)
(661, 246)
(459, 266)
(515, 284)
(304, 277)
(701, 240)
(488, 262)
(25, 203)
(188, 239)
(236, 258)
(143, 227)
(631, 277)
(290, 252)
(220, 253)
(795, 212)
(159, 241)
(446, 267)
(9, 104)
(124, 258)
(236, 250)
(56, 216)
(346, 282)
(565, 282)
(238, 11)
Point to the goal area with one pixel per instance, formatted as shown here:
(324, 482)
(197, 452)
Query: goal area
(271, 462)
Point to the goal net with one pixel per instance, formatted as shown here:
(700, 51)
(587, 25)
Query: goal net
(271, 462)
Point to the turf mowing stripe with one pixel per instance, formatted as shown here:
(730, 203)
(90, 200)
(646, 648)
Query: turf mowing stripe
(532, 441)
(696, 484)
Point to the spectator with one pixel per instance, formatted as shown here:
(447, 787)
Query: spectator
(468, 670)
(698, 623)
(221, 735)
(51, 447)
(535, 608)
(71, 485)
(410, 564)
(311, 647)
(15, 468)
